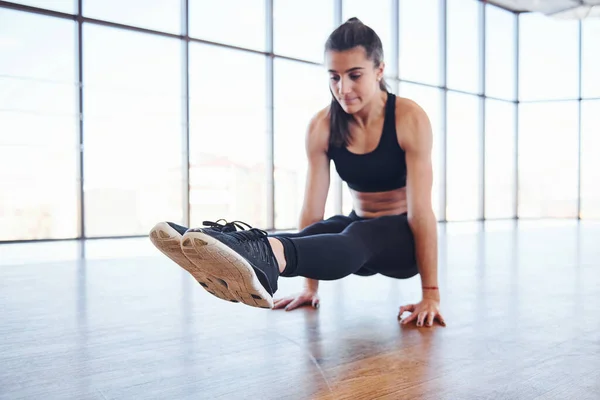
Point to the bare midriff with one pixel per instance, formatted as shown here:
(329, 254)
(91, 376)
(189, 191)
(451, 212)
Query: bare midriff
(378, 204)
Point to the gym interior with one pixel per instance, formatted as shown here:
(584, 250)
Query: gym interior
(115, 115)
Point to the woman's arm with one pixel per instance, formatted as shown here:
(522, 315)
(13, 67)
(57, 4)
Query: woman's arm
(315, 197)
(317, 178)
(416, 139)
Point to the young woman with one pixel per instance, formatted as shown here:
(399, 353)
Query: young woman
(381, 146)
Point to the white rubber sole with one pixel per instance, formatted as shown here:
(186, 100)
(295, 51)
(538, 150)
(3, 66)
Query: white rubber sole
(218, 260)
(168, 241)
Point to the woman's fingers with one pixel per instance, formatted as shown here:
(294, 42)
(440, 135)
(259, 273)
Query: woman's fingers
(298, 301)
(421, 318)
(403, 309)
(430, 319)
(282, 302)
(441, 319)
(411, 317)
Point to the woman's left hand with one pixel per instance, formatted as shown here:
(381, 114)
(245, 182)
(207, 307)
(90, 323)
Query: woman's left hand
(426, 311)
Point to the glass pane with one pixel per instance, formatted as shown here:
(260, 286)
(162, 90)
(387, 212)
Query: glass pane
(590, 164)
(158, 15)
(39, 138)
(500, 159)
(133, 131)
(591, 58)
(463, 45)
(228, 137)
(377, 15)
(463, 190)
(302, 27)
(66, 6)
(235, 22)
(500, 53)
(309, 85)
(430, 99)
(548, 159)
(420, 33)
(548, 58)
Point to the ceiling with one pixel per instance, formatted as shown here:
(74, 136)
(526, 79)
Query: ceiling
(568, 9)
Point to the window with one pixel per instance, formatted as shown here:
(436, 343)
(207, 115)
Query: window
(228, 136)
(590, 166)
(133, 131)
(430, 99)
(548, 58)
(301, 28)
(39, 138)
(377, 15)
(66, 6)
(591, 58)
(463, 45)
(301, 90)
(420, 37)
(500, 159)
(548, 159)
(235, 22)
(463, 189)
(500, 54)
(158, 15)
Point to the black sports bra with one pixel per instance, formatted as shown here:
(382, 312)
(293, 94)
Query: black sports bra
(381, 170)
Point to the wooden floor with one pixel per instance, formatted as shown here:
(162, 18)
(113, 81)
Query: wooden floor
(522, 305)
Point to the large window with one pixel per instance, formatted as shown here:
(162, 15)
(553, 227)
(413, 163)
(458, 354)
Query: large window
(234, 22)
(133, 131)
(130, 171)
(420, 41)
(501, 52)
(548, 153)
(430, 99)
(462, 157)
(159, 15)
(39, 138)
(228, 136)
(548, 58)
(301, 28)
(590, 58)
(500, 159)
(301, 90)
(463, 45)
(590, 165)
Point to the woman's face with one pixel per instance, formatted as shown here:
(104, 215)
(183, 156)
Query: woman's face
(353, 79)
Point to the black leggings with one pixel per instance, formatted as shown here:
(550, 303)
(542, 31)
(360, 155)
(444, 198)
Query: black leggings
(344, 245)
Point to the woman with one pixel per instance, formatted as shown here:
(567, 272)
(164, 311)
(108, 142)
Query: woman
(381, 146)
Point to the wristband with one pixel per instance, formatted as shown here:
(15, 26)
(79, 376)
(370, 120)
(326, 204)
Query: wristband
(430, 287)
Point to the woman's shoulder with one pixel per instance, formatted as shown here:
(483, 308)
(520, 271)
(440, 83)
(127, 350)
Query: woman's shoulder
(412, 122)
(319, 125)
(406, 107)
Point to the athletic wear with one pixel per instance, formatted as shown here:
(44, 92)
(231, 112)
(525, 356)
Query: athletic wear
(381, 170)
(240, 265)
(344, 245)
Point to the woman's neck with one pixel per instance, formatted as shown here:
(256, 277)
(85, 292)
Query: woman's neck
(374, 110)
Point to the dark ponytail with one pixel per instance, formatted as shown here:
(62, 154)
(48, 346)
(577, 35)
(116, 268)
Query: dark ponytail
(351, 34)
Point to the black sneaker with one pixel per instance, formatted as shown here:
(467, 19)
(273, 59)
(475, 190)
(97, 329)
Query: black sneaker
(166, 237)
(243, 260)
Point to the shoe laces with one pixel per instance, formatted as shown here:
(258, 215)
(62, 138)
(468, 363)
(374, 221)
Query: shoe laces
(226, 226)
(255, 240)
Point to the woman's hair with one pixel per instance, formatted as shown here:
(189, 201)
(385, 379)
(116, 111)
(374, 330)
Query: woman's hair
(350, 34)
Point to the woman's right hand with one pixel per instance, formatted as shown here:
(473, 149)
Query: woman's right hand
(307, 297)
